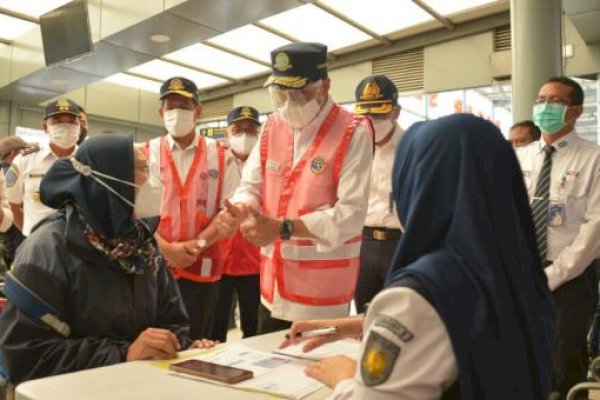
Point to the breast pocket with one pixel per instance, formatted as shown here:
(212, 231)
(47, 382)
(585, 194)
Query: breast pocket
(32, 187)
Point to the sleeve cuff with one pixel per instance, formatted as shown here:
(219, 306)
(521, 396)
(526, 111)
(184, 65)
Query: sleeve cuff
(326, 235)
(343, 390)
(554, 281)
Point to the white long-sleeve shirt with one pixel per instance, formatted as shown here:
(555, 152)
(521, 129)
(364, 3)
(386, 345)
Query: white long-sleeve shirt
(574, 185)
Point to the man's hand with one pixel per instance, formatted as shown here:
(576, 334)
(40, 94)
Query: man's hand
(230, 218)
(332, 370)
(181, 254)
(260, 229)
(154, 343)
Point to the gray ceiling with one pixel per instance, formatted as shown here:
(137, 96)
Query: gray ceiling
(585, 15)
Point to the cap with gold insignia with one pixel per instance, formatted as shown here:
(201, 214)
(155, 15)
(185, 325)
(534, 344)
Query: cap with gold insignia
(11, 143)
(180, 86)
(240, 113)
(61, 106)
(376, 94)
(298, 64)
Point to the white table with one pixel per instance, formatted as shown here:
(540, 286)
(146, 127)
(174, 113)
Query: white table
(140, 380)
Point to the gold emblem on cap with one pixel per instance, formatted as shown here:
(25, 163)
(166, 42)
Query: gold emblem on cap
(176, 84)
(282, 62)
(246, 113)
(63, 105)
(371, 92)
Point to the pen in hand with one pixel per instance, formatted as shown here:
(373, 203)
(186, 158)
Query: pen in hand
(315, 332)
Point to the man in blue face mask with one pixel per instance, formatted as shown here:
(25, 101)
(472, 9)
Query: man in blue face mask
(562, 175)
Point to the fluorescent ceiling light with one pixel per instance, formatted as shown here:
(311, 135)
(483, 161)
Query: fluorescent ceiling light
(162, 70)
(134, 82)
(392, 15)
(250, 40)
(309, 23)
(446, 7)
(33, 8)
(11, 28)
(213, 60)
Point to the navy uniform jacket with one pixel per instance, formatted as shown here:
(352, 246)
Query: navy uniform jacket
(106, 308)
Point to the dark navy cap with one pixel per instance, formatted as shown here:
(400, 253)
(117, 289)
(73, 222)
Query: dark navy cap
(180, 86)
(376, 94)
(298, 64)
(61, 106)
(241, 113)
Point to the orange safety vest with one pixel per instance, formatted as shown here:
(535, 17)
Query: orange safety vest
(302, 273)
(188, 208)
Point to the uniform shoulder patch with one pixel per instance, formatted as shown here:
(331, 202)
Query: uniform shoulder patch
(394, 326)
(12, 175)
(378, 359)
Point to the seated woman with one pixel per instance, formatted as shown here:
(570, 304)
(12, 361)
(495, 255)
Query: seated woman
(466, 312)
(97, 267)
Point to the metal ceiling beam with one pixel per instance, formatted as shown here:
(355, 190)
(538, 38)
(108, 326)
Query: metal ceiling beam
(473, 27)
(353, 23)
(435, 14)
(204, 71)
(235, 53)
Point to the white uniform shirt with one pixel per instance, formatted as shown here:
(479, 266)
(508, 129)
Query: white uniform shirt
(183, 158)
(7, 220)
(233, 175)
(25, 188)
(382, 209)
(575, 186)
(332, 226)
(424, 366)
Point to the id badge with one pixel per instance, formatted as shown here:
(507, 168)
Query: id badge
(556, 214)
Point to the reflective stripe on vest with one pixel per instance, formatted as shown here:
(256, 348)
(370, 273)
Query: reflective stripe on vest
(190, 198)
(302, 273)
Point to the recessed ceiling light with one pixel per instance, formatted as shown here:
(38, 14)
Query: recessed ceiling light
(160, 38)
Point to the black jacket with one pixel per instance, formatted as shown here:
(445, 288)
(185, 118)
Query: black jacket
(106, 308)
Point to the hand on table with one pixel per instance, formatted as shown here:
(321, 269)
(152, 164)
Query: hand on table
(153, 343)
(332, 370)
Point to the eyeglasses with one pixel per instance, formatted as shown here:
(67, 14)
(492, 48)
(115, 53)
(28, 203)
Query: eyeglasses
(551, 100)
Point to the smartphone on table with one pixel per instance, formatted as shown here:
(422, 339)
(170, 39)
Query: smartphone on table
(208, 370)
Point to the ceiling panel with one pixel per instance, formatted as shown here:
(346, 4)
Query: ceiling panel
(181, 32)
(162, 70)
(33, 8)
(224, 16)
(250, 40)
(114, 59)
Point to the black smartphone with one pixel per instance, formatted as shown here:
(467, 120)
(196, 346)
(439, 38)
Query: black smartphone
(217, 372)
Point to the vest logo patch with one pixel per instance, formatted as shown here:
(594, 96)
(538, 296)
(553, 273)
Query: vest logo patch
(273, 165)
(317, 165)
(213, 173)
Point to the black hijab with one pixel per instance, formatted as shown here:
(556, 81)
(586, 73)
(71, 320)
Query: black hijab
(107, 214)
(470, 241)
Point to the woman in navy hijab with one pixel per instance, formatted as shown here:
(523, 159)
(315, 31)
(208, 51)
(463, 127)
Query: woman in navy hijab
(466, 313)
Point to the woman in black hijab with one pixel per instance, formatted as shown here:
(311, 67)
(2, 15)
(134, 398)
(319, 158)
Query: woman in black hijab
(96, 268)
(466, 312)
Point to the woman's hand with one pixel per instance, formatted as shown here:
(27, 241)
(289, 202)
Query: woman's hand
(203, 344)
(349, 327)
(332, 370)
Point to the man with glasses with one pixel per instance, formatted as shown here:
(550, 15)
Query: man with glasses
(190, 168)
(303, 194)
(377, 98)
(562, 175)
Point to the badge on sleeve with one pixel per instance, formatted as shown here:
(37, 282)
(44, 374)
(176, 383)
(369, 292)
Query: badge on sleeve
(11, 176)
(317, 165)
(378, 359)
(556, 214)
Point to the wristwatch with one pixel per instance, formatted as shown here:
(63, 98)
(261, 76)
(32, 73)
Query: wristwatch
(286, 229)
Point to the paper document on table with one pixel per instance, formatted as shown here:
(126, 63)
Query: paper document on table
(347, 347)
(273, 374)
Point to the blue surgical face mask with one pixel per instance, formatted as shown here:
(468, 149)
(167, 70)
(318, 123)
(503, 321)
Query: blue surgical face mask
(550, 117)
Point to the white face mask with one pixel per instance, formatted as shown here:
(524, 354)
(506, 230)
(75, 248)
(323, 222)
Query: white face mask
(382, 127)
(243, 143)
(149, 197)
(179, 122)
(298, 116)
(64, 135)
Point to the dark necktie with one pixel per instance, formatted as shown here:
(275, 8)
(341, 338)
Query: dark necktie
(539, 206)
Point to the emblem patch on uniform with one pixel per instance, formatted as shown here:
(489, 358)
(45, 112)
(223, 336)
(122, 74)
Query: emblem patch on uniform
(282, 62)
(11, 176)
(213, 173)
(378, 359)
(317, 165)
(395, 327)
(562, 144)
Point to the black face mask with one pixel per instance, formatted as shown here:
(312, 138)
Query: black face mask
(82, 135)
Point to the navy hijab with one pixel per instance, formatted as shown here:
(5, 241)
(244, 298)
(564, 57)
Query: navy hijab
(107, 214)
(470, 242)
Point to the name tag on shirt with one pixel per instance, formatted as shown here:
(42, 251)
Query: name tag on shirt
(556, 214)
